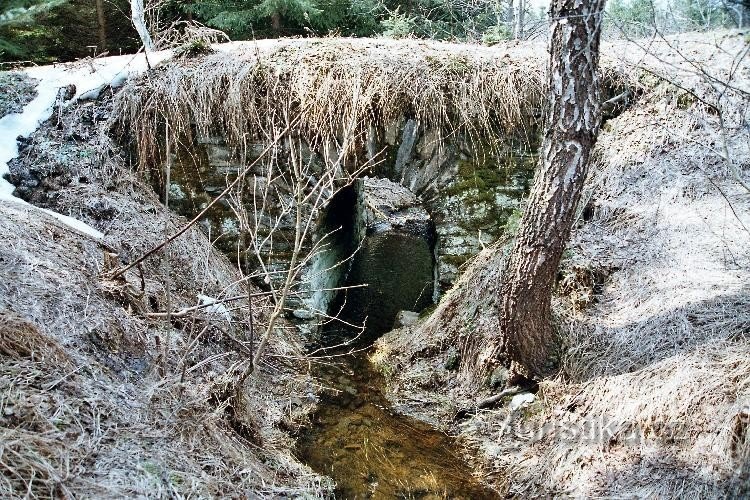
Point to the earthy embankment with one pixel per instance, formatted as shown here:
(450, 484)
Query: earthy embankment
(111, 397)
(653, 307)
(100, 395)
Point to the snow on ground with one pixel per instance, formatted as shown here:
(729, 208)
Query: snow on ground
(215, 307)
(89, 78)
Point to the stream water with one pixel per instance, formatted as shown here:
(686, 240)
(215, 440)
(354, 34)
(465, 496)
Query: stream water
(373, 452)
(355, 437)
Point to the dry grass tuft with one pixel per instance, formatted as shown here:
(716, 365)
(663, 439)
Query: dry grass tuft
(29, 462)
(21, 339)
(33, 457)
(98, 399)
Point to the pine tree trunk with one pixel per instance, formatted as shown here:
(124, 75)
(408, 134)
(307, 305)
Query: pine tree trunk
(572, 125)
(520, 12)
(510, 13)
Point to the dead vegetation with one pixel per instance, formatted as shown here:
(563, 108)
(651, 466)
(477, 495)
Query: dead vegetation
(343, 96)
(99, 395)
(18, 90)
(654, 380)
(340, 89)
(108, 399)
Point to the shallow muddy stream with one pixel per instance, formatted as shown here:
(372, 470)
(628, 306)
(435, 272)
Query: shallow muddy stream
(372, 452)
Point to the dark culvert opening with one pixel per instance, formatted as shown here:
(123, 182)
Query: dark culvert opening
(339, 222)
(394, 258)
(354, 436)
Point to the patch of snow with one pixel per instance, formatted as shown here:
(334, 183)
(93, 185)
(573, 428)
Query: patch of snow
(215, 307)
(73, 223)
(520, 400)
(229, 226)
(176, 192)
(89, 79)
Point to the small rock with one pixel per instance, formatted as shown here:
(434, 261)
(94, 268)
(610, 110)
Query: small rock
(303, 314)
(520, 400)
(406, 318)
(69, 92)
(452, 359)
(499, 377)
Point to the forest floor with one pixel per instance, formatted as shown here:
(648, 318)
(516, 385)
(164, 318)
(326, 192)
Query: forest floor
(18, 90)
(652, 398)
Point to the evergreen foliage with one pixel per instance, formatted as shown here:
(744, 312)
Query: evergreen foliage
(436, 19)
(44, 31)
(633, 17)
(242, 19)
(51, 30)
(643, 17)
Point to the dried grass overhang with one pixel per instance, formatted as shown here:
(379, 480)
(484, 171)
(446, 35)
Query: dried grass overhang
(344, 89)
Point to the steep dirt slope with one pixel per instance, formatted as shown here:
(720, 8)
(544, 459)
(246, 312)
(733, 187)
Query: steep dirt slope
(653, 307)
(100, 396)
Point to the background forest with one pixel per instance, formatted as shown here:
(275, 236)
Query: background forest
(43, 31)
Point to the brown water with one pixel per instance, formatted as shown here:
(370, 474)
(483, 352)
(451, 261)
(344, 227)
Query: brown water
(372, 452)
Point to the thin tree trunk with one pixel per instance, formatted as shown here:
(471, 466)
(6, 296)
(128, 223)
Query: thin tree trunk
(276, 22)
(102, 25)
(137, 16)
(520, 11)
(510, 16)
(573, 120)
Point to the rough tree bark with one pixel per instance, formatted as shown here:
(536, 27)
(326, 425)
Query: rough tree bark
(276, 22)
(572, 125)
(510, 12)
(520, 14)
